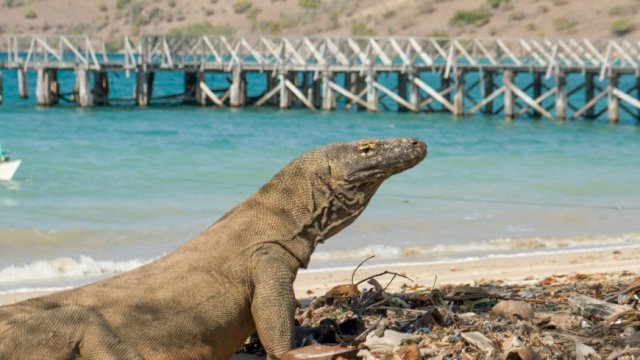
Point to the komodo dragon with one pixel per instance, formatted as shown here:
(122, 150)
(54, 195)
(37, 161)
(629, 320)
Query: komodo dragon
(203, 300)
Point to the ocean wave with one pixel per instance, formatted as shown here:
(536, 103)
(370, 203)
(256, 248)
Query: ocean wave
(66, 267)
(495, 246)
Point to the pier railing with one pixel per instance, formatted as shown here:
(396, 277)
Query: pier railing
(170, 52)
(303, 70)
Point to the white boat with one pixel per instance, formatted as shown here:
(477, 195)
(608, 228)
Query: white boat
(8, 168)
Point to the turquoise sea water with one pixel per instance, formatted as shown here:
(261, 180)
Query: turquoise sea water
(104, 189)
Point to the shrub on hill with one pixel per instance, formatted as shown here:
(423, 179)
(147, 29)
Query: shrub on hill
(13, 3)
(497, 3)
(240, 6)
(309, 4)
(30, 14)
(622, 27)
(201, 28)
(360, 28)
(477, 17)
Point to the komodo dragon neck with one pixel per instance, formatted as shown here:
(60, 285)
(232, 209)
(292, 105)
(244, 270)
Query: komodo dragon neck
(300, 207)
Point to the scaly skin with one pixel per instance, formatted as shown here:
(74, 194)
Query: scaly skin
(204, 299)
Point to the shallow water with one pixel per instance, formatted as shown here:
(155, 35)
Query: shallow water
(102, 190)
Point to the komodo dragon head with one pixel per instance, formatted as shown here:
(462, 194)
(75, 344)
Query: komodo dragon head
(324, 190)
(355, 170)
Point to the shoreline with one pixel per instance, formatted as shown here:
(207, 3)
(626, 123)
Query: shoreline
(524, 269)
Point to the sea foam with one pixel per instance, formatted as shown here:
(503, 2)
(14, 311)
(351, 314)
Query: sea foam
(66, 267)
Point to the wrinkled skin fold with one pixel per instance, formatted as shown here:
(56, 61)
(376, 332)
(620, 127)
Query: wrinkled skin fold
(205, 298)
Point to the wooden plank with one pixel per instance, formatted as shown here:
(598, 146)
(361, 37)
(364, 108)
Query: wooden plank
(434, 94)
(540, 99)
(394, 96)
(590, 104)
(269, 95)
(337, 88)
(588, 307)
(298, 94)
(528, 100)
(626, 97)
(379, 52)
(210, 94)
(423, 55)
(487, 100)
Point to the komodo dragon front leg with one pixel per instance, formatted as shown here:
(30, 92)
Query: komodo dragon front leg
(274, 303)
(66, 332)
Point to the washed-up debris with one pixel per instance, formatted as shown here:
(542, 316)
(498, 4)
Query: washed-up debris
(513, 310)
(479, 341)
(522, 353)
(320, 352)
(574, 316)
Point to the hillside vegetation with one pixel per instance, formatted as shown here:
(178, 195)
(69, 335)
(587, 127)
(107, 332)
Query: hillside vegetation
(114, 18)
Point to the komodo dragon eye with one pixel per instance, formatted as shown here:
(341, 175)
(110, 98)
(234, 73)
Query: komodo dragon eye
(365, 149)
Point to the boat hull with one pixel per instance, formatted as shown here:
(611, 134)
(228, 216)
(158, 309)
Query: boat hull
(8, 168)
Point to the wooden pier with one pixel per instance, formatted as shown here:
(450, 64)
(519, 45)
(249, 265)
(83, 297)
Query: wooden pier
(541, 78)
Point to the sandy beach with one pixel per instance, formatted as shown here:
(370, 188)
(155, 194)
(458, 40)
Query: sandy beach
(524, 269)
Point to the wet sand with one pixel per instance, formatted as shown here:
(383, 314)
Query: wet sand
(516, 269)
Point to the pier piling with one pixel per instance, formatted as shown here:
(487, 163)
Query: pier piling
(100, 90)
(47, 87)
(561, 96)
(458, 99)
(612, 103)
(193, 93)
(22, 83)
(537, 90)
(328, 99)
(1, 89)
(144, 87)
(84, 95)
(509, 103)
(237, 93)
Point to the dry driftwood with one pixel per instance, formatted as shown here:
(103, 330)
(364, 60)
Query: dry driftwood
(589, 307)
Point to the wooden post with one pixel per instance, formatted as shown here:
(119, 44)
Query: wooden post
(402, 89)
(285, 100)
(561, 96)
(414, 91)
(317, 92)
(359, 85)
(458, 100)
(589, 93)
(144, 87)
(444, 84)
(271, 83)
(328, 100)
(84, 96)
(488, 90)
(537, 90)
(192, 92)
(612, 100)
(100, 88)
(1, 88)
(237, 96)
(307, 85)
(22, 84)
(507, 80)
(372, 96)
(47, 87)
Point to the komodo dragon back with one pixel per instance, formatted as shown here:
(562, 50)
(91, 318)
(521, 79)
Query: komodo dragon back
(204, 299)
